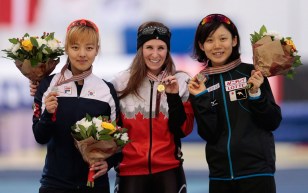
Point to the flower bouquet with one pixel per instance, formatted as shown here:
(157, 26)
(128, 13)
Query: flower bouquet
(274, 54)
(35, 57)
(97, 139)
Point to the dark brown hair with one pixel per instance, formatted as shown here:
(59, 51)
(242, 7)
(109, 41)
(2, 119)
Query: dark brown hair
(206, 29)
(138, 69)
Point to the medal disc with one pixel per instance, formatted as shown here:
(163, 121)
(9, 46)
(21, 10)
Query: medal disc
(160, 88)
(201, 77)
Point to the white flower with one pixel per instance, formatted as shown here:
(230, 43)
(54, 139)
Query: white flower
(84, 122)
(14, 48)
(276, 35)
(124, 137)
(53, 44)
(117, 135)
(41, 42)
(98, 124)
(97, 135)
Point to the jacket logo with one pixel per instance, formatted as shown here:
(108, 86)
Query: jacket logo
(68, 90)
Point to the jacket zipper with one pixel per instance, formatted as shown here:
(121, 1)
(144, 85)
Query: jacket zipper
(150, 119)
(229, 126)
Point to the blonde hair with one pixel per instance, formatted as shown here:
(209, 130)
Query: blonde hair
(81, 33)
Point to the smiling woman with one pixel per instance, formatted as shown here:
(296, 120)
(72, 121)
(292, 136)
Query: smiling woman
(60, 101)
(229, 115)
(156, 111)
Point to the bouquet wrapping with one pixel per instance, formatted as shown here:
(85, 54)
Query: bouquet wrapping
(273, 54)
(97, 139)
(35, 57)
(37, 73)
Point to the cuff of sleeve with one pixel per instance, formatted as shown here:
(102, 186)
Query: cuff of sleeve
(254, 96)
(201, 93)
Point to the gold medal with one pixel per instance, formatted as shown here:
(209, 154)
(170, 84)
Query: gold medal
(161, 88)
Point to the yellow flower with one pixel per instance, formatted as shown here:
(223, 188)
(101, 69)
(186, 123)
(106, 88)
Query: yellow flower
(27, 45)
(109, 126)
(290, 43)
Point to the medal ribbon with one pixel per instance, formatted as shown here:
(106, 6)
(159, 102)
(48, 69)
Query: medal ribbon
(220, 69)
(78, 77)
(154, 78)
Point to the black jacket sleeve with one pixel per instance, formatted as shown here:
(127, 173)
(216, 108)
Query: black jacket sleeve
(42, 123)
(115, 159)
(266, 113)
(177, 115)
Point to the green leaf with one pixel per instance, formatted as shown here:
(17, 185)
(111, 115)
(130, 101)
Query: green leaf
(105, 118)
(297, 61)
(39, 56)
(89, 131)
(104, 131)
(124, 130)
(13, 40)
(257, 36)
(48, 50)
(262, 30)
(88, 117)
(120, 142)
(290, 74)
(114, 123)
(34, 41)
(83, 131)
(105, 137)
(34, 62)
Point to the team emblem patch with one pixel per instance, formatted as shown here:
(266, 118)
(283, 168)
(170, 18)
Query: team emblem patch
(91, 93)
(68, 90)
(238, 94)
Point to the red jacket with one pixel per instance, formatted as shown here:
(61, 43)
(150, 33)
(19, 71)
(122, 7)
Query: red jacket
(155, 145)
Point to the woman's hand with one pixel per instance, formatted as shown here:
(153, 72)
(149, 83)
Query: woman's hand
(195, 86)
(100, 167)
(51, 102)
(33, 87)
(256, 80)
(171, 84)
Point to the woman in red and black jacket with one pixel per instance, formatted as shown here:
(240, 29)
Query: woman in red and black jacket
(155, 109)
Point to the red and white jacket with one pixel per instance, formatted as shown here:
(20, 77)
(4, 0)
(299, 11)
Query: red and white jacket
(155, 140)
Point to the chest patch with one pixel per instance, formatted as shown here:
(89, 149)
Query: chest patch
(68, 90)
(214, 87)
(238, 94)
(91, 93)
(235, 84)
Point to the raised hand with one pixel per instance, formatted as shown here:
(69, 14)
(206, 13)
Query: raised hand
(196, 85)
(51, 102)
(256, 80)
(171, 84)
